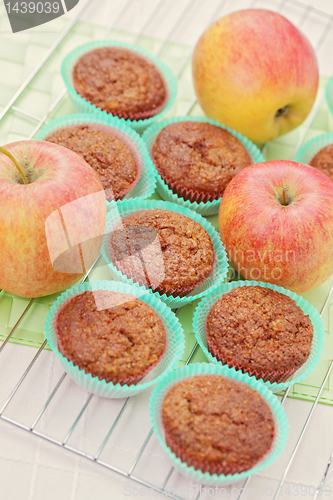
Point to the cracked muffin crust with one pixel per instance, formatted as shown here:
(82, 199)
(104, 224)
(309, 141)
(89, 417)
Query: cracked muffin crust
(261, 331)
(120, 81)
(105, 153)
(197, 158)
(216, 424)
(111, 335)
(323, 160)
(166, 251)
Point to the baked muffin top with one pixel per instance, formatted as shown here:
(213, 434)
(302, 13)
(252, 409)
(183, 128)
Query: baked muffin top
(163, 250)
(104, 152)
(212, 421)
(323, 160)
(111, 335)
(198, 156)
(119, 81)
(260, 329)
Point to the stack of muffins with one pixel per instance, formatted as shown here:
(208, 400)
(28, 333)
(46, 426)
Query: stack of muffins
(218, 422)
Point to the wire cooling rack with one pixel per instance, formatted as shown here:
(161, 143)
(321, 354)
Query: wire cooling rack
(17, 110)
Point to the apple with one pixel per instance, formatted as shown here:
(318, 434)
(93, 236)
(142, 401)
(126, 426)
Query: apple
(276, 223)
(255, 72)
(51, 229)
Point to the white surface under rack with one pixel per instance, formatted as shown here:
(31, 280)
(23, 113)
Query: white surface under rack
(113, 452)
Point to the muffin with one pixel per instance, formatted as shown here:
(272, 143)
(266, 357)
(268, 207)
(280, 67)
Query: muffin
(163, 250)
(121, 82)
(323, 160)
(110, 335)
(197, 160)
(259, 331)
(104, 152)
(217, 425)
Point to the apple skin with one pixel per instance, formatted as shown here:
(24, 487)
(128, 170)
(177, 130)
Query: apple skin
(290, 246)
(31, 227)
(248, 65)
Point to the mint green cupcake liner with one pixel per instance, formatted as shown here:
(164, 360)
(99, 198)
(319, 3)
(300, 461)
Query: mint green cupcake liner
(83, 106)
(124, 208)
(313, 146)
(172, 356)
(185, 372)
(318, 342)
(203, 208)
(329, 94)
(147, 182)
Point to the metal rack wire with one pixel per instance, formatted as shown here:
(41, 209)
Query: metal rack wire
(130, 472)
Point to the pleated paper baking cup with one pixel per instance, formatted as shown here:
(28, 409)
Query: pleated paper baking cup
(318, 341)
(83, 106)
(203, 207)
(220, 268)
(186, 372)
(169, 360)
(313, 146)
(329, 94)
(145, 185)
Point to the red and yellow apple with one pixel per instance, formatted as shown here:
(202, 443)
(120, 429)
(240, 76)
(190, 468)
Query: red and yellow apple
(51, 229)
(276, 223)
(255, 72)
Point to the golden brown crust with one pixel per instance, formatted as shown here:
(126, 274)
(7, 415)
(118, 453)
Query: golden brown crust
(178, 252)
(260, 329)
(216, 424)
(119, 81)
(117, 343)
(106, 154)
(323, 160)
(198, 156)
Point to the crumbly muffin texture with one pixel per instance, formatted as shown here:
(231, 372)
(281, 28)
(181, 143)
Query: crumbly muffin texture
(323, 160)
(212, 421)
(260, 329)
(119, 81)
(164, 250)
(199, 156)
(110, 335)
(104, 152)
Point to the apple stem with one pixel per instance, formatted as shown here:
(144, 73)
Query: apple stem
(284, 191)
(7, 153)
